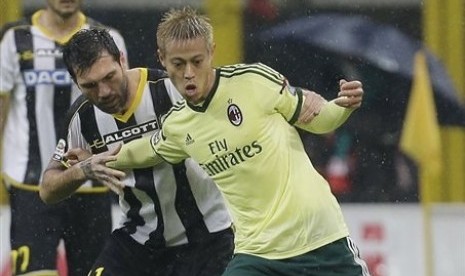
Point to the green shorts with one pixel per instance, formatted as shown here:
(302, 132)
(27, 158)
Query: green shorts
(337, 258)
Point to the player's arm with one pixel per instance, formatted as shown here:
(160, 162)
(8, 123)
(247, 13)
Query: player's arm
(306, 109)
(8, 67)
(60, 182)
(4, 103)
(334, 113)
(138, 153)
(61, 179)
(311, 106)
(330, 117)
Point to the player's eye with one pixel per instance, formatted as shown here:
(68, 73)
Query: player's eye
(89, 85)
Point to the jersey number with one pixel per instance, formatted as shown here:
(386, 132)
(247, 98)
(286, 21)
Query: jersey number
(98, 272)
(20, 258)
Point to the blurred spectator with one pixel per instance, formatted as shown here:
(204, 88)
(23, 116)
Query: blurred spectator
(39, 90)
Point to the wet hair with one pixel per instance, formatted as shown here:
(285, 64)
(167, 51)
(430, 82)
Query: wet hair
(183, 24)
(85, 47)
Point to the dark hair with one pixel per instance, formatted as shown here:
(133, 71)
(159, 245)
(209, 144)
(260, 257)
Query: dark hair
(85, 47)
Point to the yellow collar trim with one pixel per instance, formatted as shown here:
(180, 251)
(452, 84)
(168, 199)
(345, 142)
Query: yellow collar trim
(135, 103)
(49, 34)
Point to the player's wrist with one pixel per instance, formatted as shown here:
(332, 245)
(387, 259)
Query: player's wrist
(85, 171)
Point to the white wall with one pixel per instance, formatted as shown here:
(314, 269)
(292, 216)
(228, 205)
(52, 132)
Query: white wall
(390, 237)
(448, 245)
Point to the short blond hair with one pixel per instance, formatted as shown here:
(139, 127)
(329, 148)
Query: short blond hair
(183, 24)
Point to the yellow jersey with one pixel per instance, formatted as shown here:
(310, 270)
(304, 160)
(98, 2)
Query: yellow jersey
(243, 137)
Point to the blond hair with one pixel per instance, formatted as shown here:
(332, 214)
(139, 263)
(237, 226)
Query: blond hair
(183, 24)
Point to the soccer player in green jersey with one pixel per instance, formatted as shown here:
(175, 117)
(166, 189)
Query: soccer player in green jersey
(238, 122)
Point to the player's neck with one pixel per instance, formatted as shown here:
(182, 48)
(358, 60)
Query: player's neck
(134, 76)
(211, 81)
(57, 25)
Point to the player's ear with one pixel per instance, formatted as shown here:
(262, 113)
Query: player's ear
(211, 51)
(212, 48)
(123, 61)
(160, 57)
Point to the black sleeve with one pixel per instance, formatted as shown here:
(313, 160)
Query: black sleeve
(73, 109)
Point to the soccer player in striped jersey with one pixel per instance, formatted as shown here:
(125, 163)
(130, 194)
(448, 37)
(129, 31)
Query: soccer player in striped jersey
(238, 122)
(173, 220)
(35, 84)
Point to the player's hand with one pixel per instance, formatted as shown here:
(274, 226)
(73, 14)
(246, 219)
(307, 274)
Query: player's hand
(76, 155)
(311, 106)
(350, 94)
(94, 167)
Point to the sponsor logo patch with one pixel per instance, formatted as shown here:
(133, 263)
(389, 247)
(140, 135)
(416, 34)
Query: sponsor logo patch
(234, 115)
(59, 77)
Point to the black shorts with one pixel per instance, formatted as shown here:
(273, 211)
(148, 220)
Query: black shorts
(83, 222)
(123, 256)
(339, 258)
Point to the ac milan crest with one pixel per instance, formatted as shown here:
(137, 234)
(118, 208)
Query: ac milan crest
(234, 114)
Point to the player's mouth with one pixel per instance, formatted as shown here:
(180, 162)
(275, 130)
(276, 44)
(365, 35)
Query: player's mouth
(69, 4)
(191, 90)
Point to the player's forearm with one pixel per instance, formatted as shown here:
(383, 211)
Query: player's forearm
(4, 103)
(59, 183)
(136, 154)
(331, 116)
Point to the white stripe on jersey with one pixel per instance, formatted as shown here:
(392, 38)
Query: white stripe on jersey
(206, 195)
(147, 213)
(45, 97)
(172, 91)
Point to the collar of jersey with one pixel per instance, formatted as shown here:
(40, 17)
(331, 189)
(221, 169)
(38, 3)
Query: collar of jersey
(138, 97)
(35, 22)
(202, 107)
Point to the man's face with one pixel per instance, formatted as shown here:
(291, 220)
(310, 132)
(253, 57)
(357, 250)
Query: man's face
(189, 66)
(64, 8)
(105, 84)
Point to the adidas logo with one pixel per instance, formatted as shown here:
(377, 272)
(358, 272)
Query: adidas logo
(189, 139)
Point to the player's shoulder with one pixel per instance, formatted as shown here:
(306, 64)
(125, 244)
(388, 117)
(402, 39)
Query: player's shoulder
(174, 121)
(80, 105)
(21, 24)
(250, 70)
(155, 75)
(161, 87)
(176, 112)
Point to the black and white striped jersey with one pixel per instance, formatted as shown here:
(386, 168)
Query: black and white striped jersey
(162, 206)
(41, 91)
